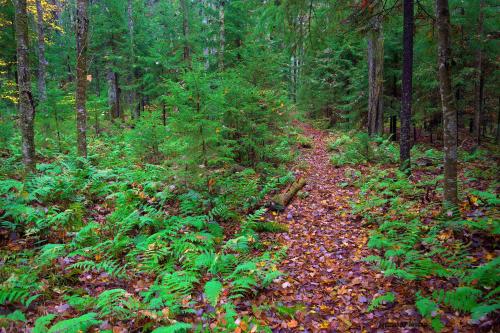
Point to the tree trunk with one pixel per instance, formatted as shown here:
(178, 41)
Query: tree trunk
(26, 103)
(222, 35)
(81, 75)
(375, 77)
(132, 76)
(113, 94)
(185, 29)
(479, 84)
(42, 62)
(497, 139)
(406, 94)
(449, 112)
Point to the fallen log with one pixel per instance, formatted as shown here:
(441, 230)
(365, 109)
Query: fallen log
(280, 201)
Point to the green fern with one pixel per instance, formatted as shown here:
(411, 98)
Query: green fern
(461, 299)
(42, 323)
(116, 303)
(174, 328)
(76, 325)
(213, 289)
(380, 300)
(110, 267)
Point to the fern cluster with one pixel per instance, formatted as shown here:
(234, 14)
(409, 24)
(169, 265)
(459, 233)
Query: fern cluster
(412, 249)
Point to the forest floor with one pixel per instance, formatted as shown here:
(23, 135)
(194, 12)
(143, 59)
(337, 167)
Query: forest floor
(326, 281)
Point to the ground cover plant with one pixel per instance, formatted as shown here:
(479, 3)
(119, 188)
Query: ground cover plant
(249, 166)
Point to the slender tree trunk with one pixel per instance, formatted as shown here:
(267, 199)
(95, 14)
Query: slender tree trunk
(406, 94)
(26, 103)
(497, 140)
(222, 35)
(81, 75)
(375, 77)
(42, 62)
(479, 84)
(449, 112)
(113, 94)
(185, 29)
(132, 76)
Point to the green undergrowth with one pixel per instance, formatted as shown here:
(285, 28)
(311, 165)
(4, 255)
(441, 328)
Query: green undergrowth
(413, 239)
(358, 148)
(81, 233)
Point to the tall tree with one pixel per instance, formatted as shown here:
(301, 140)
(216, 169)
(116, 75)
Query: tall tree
(185, 29)
(26, 102)
(42, 62)
(406, 95)
(222, 35)
(132, 76)
(375, 75)
(448, 109)
(81, 75)
(479, 84)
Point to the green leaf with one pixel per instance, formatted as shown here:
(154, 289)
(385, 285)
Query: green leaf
(174, 328)
(42, 322)
(213, 289)
(75, 325)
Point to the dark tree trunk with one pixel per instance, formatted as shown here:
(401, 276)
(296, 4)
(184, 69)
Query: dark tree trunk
(42, 62)
(26, 103)
(479, 84)
(394, 128)
(449, 112)
(81, 75)
(164, 115)
(406, 94)
(375, 77)
(497, 140)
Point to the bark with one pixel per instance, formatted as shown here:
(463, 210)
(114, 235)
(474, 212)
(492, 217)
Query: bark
(132, 76)
(281, 200)
(81, 75)
(222, 35)
(406, 89)
(26, 103)
(497, 139)
(42, 62)
(479, 85)
(113, 94)
(375, 76)
(449, 112)
(185, 30)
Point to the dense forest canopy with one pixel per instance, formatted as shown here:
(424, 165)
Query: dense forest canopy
(249, 165)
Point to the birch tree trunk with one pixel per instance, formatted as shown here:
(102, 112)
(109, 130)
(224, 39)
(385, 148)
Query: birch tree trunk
(26, 102)
(42, 62)
(449, 113)
(222, 35)
(406, 94)
(479, 84)
(375, 76)
(81, 75)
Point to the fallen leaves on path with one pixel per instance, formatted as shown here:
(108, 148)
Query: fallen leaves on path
(325, 278)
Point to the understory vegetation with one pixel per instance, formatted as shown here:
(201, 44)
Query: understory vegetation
(449, 257)
(117, 239)
(222, 166)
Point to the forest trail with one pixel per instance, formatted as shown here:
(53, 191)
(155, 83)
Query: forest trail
(326, 279)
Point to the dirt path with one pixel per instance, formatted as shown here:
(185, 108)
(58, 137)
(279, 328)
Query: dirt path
(324, 271)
